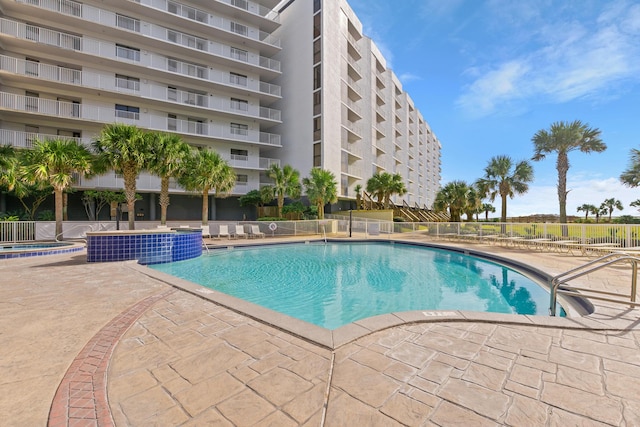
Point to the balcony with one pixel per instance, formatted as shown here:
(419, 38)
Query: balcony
(104, 17)
(354, 90)
(354, 150)
(76, 111)
(133, 87)
(105, 49)
(253, 8)
(250, 162)
(20, 139)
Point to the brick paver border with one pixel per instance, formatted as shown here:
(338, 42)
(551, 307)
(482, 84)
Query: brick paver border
(81, 398)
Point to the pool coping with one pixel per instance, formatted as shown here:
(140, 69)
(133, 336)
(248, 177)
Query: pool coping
(334, 339)
(69, 248)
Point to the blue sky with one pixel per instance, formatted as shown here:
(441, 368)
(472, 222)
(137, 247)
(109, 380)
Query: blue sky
(487, 75)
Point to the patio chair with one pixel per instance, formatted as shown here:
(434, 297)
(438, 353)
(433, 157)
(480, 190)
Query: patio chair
(255, 232)
(240, 232)
(223, 230)
(205, 231)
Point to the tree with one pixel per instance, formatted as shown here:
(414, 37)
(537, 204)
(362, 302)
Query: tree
(587, 209)
(474, 202)
(358, 190)
(56, 162)
(609, 205)
(9, 166)
(384, 185)
(125, 149)
(168, 154)
(321, 188)
(257, 198)
(452, 197)
(505, 179)
(631, 176)
(562, 138)
(204, 171)
(635, 204)
(286, 182)
(486, 208)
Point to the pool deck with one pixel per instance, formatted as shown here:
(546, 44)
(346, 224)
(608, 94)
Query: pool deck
(108, 344)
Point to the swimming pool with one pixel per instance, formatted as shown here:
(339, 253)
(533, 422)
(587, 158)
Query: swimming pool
(22, 250)
(333, 284)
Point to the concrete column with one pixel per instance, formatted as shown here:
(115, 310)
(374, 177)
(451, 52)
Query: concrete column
(152, 207)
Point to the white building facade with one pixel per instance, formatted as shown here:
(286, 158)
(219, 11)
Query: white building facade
(344, 110)
(221, 74)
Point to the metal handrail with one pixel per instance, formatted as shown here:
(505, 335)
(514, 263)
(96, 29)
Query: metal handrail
(559, 282)
(72, 228)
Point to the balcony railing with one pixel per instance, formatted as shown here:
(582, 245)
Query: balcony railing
(250, 162)
(353, 148)
(145, 90)
(254, 8)
(22, 139)
(102, 48)
(49, 107)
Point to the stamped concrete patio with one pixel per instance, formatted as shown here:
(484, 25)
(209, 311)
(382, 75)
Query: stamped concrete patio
(106, 344)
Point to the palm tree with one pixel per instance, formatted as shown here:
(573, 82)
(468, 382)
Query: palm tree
(384, 185)
(321, 188)
(125, 149)
(286, 182)
(631, 176)
(635, 204)
(56, 162)
(486, 208)
(358, 190)
(474, 202)
(587, 209)
(609, 205)
(505, 179)
(563, 137)
(9, 165)
(452, 197)
(204, 171)
(168, 154)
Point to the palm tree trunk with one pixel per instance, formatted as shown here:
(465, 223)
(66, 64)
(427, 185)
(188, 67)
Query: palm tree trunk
(59, 211)
(164, 199)
(503, 215)
(130, 195)
(280, 205)
(205, 206)
(65, 204)
(320, 207)
(562, 165)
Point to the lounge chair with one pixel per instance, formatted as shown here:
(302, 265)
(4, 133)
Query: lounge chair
(223, 230)
(255, 232)
(240, 232)
(205, 231)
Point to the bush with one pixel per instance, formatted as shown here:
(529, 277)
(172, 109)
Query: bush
(398, 219)
(47, 215)
(271, 218)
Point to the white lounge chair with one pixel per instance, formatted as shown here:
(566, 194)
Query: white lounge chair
(223, 230)
(255, 232)
(240, 232)
(205, 231)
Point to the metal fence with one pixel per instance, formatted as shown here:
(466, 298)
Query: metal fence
(17, 231)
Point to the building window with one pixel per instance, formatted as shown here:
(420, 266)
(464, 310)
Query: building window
(243, 30)
(317, 155)
(32, 32)
(32, 67)
(317, 102)
(127, 112)
(239, 54)
(172, 93)
(317, 129)
(196, 126)
(172, 122)
(237, 154)
(31, 101)
(238, 79)
(242, 179)
(127, 23)
(317, 20)
(127, 82)
(68, 107)
(317, 4)
(242, 4)
(317, 77)
(126, 52)
(239, 129)
(239, 104)
(317, 51)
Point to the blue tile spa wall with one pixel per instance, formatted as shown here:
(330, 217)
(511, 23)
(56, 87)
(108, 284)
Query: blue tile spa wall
(151, 248)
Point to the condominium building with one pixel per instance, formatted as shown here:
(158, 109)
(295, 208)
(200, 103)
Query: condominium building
(297, 84)
(344, 110)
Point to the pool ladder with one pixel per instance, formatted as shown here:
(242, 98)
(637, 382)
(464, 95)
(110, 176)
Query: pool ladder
(559, 283)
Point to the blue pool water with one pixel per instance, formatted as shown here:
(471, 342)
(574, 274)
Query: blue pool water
(335, 284)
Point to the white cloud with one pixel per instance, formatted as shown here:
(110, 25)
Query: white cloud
(570, 60)
(408, 77)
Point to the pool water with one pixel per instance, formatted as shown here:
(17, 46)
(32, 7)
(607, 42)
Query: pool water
(333, 284)
(14, 247)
